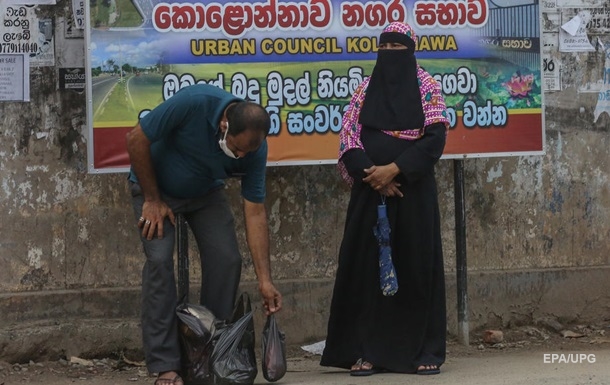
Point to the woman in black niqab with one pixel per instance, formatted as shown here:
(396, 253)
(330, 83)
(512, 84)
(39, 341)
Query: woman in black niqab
(393, 134)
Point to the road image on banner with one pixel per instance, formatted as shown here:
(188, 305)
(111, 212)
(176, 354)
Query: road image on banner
(302, 60)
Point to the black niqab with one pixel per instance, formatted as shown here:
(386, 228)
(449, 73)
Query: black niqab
(393, 99)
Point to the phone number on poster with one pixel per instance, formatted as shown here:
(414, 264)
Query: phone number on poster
(18, 47)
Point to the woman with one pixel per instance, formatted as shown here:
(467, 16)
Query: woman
(393, 134)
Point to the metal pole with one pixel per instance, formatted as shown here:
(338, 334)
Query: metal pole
(183, 258)
(460, 252)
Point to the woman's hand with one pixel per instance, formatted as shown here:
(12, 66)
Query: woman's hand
(379, 177)
(392, 189)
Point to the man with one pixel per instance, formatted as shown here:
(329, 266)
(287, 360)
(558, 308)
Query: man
(180, 152)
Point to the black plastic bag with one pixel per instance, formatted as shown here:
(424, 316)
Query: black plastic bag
(196, 328)
(233, 361)
(274, 351)
(215, 352)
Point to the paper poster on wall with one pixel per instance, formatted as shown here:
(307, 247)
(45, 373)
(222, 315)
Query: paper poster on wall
(581, 3)
(550, 68)
(548, 5)
(573, 34)
(14, 78)
(303, 60)
(70, 29)
(600, 21)
(603, 98)
(74, 21)
(551, 22)
(551, 62)
(24, 33)
(78, 11)
(72, 79)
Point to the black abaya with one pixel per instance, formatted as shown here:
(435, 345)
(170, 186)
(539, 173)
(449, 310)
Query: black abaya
(401, 332)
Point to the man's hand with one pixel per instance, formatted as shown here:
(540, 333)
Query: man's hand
(153, 216)
(257, 236)
(272, 299)
(154, 209)
(379, 177)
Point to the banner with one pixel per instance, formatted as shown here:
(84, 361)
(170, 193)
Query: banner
(302, 60)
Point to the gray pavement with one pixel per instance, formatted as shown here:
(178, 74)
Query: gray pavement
(532, 365)
(494, 368)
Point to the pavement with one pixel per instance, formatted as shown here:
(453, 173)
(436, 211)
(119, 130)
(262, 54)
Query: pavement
(575, 362)
(579, 367)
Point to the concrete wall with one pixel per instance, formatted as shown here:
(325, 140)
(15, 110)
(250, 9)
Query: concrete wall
(537, 226)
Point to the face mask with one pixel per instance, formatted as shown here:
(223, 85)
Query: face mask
(223, 145)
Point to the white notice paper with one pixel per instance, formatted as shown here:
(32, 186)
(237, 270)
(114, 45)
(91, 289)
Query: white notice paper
(78, 10)
(14, 78)
(572, 26)
(573, 35)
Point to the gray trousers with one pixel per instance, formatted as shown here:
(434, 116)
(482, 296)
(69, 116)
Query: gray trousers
(211, 221)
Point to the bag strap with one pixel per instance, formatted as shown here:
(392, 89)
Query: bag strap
(243, 306)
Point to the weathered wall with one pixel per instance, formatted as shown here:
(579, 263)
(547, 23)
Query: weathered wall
(537, 227)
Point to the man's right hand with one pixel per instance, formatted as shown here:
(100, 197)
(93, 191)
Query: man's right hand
(272, 299)
(154, 209)
(153, 216)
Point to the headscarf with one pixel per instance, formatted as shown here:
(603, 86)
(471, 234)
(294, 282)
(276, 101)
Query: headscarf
(431, 102)
(393, 99)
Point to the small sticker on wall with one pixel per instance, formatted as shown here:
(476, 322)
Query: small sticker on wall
(72, 79)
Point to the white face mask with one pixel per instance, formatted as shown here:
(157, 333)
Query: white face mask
(223, 145)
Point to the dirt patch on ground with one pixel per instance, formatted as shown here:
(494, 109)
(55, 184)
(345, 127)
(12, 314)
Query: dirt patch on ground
(115, 370)
(548, 336)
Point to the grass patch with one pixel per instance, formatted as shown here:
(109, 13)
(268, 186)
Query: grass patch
(128, 14)
(99, 15)
(145, 91)
(117, 106)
